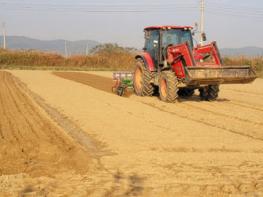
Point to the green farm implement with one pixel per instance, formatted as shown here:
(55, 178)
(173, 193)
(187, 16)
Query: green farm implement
(122, 82)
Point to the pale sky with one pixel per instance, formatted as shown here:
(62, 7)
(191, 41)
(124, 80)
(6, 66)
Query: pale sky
(232, 23)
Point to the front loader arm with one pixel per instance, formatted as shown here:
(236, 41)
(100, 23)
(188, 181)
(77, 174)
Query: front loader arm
(201, 53)
(199, 70)
(179, 56)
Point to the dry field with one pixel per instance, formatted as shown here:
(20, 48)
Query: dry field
(66, 134)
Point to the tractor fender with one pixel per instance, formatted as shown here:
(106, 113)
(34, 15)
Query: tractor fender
(147, 59)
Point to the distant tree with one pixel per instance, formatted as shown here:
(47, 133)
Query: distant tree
(111, 48)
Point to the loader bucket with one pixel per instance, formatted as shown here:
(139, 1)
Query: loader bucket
(205, 75)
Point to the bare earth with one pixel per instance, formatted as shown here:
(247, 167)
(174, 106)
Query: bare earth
(65, 134)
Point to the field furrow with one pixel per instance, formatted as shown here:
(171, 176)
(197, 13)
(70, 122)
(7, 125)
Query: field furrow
(30, 141)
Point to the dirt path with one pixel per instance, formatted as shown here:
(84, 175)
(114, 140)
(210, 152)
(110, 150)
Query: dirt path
(188, 148)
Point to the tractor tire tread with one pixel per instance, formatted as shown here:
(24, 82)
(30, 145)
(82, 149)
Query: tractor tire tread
(147, 87)
(209, 93)
(172, 88)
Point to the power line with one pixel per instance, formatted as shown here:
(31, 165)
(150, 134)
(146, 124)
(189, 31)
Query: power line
(95, 3)
(235, 7)
(116, 11)
(66, 49)
(220, 12)
(131, 8)
(102, 7)
(87, 49)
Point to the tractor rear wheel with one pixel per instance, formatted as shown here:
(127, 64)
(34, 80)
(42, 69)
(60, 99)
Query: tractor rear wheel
(209, 93)
(168, 86)
(142, 80)
(186, 92)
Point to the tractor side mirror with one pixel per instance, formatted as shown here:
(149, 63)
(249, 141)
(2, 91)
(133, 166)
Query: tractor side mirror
(155, 43)
(203, 35)
(195, 30)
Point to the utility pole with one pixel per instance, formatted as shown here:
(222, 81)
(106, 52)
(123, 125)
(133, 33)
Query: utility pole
(87, 49)
(66, 49)
(202, 21)
(4, 35)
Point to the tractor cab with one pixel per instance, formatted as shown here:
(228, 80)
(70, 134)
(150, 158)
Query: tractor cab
(158, 38)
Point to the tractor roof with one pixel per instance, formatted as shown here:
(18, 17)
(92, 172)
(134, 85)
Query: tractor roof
(167, 27)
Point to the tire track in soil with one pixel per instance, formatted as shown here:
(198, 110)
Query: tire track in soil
(200, 114)
(246, 100)
(206, 123)
(244, 92)
(245, 105)
(230, 179)
(224, 115)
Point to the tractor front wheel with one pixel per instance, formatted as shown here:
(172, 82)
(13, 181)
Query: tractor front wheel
(209, 93)
(168, 86)
(142, 80)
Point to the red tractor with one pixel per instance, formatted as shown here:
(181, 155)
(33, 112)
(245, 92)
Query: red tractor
(172, 66)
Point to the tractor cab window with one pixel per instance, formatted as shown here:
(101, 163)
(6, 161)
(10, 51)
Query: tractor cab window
(176, 36)
(152, 38)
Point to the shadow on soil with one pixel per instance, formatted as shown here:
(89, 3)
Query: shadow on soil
(196, 98)
(122, 185)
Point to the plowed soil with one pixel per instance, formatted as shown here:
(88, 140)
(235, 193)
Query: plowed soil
(95, 81)
(150, 148)
(30, 142)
